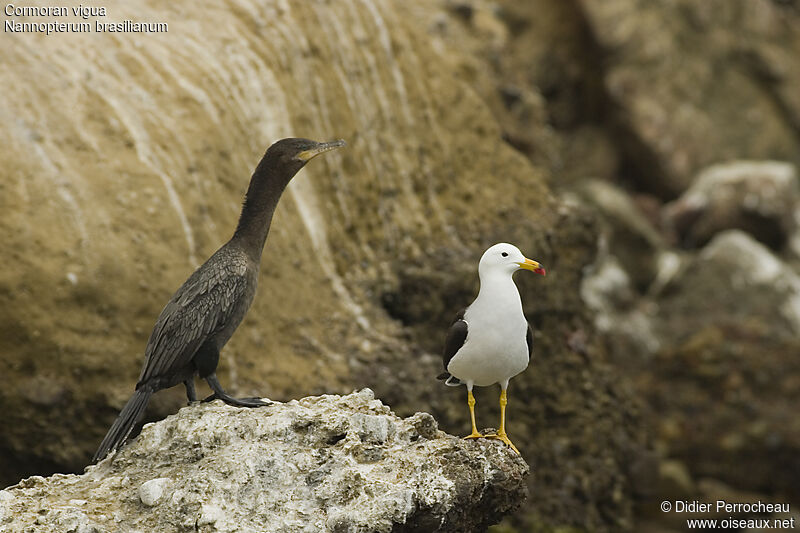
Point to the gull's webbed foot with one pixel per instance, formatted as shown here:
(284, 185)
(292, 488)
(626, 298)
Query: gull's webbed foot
(503, 437)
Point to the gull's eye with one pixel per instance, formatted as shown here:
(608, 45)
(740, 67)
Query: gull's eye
(504, 254)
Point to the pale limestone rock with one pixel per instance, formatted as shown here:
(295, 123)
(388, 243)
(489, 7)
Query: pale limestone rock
(151, 492)
(326, 463)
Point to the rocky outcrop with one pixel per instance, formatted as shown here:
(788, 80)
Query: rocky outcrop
(328, 463)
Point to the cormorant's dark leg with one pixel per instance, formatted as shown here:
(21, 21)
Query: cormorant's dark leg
(190, 392)
(230, 400)
(205, 360)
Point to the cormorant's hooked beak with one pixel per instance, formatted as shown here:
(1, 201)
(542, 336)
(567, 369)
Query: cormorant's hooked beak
(530, 264)
(306, 155)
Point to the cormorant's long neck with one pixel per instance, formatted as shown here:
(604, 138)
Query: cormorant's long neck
(266, 187)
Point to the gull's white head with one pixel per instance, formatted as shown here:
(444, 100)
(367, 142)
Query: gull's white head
(506, 258)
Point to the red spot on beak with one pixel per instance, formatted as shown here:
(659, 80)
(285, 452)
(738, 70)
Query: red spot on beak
(540, 270)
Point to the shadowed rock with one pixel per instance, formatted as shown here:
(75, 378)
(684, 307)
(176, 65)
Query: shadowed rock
(326, 463)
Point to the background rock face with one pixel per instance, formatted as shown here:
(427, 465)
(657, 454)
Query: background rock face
(634, 104)
(582, 131)
(125, 162)
(326, 463)
(761, 198)
(700, 82)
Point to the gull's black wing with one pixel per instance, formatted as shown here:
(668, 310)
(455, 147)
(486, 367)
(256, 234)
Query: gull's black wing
(456, 336)
(529, 340)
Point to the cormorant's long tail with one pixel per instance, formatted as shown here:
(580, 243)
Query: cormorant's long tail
(123, 425)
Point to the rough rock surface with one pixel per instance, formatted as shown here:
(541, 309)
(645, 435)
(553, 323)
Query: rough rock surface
(630, 236)
(618, 313)
(329, 463)
(640, 92)
(715, 356)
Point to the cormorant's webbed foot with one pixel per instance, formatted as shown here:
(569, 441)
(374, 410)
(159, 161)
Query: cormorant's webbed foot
(219, 393)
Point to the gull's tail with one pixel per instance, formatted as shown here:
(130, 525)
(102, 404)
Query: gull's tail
(449, 379)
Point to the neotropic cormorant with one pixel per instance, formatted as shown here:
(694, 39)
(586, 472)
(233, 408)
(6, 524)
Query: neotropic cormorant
(205, 311)
(491, 341)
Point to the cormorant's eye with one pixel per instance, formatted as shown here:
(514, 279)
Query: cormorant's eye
(504, 254)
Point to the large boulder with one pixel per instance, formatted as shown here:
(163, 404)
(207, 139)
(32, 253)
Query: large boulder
(759, 197)
(328, 463)
(733, 280)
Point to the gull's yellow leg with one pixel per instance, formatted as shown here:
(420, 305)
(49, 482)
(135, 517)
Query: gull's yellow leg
(501, 433)
(471, 403)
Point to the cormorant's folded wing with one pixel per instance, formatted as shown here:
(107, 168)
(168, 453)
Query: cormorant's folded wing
(204, 304)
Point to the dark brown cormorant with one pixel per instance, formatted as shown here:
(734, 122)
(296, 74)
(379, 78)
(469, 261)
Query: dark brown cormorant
(205, 311)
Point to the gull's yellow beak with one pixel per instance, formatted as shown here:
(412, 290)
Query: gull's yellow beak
(532, 265)
(306, 155)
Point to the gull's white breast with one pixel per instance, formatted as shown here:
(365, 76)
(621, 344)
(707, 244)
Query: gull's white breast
(496, 348)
